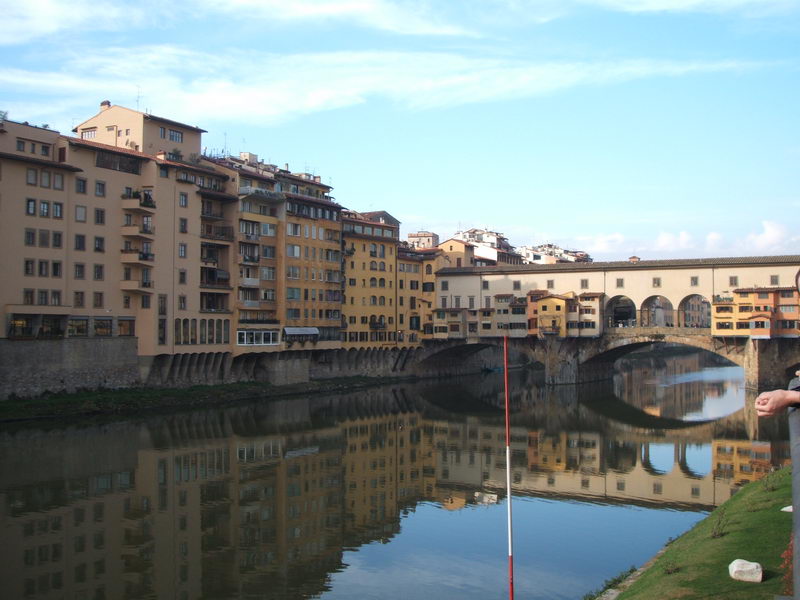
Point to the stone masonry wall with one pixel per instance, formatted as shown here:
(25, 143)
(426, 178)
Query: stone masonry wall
(31, 368)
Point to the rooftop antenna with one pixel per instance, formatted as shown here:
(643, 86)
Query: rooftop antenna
(138, 96)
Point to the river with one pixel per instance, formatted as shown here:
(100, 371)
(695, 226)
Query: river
(390, 492)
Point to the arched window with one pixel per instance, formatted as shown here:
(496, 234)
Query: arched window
(428, 269)
(381, 282)
(178, 331)
(227, 338)
(373, 300)
(373, 265)
(382, 266)
(202, 331)
(382, 252)
(219, 331)
(194, 331)
(382, 301)
(373, 282)
(373, 250)
(186, 337)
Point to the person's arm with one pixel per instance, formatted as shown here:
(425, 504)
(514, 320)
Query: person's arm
(771, 403)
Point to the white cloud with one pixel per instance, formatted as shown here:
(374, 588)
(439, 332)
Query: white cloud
(202, 86)
(713, 242)
(32, 19)
(666, 241)
(403, 17)
(750, 7)
(773, 237)
(602, 243)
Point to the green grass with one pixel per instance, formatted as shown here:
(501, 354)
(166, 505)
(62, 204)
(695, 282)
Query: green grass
(146, 400)
(750, 525)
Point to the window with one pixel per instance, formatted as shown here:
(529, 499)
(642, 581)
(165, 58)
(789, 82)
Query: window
(292, 293)
(21, 145)
(45, 150)
(80, 213)
(45, 179)
(99, 216)
(44, 208)
(32, 177)
(98, 272)
(56, 268)
(733, 281)
(162, 132)
(78, 299)
(292, 272)
(293, 250)
(444, 285)
(28, 266)
(774, 280)
(80, 241)
(30, 207)
(620, 282)
(182, 276)
(57, 239)
(183, 199)
(656, 282)
(27, 296)
(175, 136)
(58, 181)
(516, 285)
(43, 297)
(58, 210)
(97, 299)
(551, 284)
(80, 185)
(181, 302)
(44, 238)
(145, 302)
(293, 229)
(30, 237)
(44, 268)
(182, 250)
(584, 284)
(80, 271)
(99, 244)
(100, 189)
(183, 225)
(694, 281)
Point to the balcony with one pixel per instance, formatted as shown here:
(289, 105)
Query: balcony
(133, 285)
(249, 303)
(247, 190)
(249, 281)
(138, 204)
(208, 213)
(246, 321)
(549, 330)
(216, 232)
(248, 258)
(377, 325)
(249, 237)
(136, 256)
(139, 231)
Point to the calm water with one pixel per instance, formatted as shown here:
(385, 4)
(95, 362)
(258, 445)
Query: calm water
(392, 492)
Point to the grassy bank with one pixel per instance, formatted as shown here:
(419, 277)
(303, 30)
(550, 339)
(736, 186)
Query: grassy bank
(147, 400)
(750, 525)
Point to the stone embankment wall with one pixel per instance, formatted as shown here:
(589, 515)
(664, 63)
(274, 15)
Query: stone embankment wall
(32, 368)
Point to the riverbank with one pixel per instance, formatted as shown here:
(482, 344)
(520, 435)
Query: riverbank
(750, 525)
(132, 401)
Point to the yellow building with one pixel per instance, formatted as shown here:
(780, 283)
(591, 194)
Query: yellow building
(370, 263)
(759, 312)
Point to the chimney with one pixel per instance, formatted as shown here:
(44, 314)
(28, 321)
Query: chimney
(634, 259)
(105, 105)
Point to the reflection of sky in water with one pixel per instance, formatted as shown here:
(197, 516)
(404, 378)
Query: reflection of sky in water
(714, 406)
(698, 457)
(562, 550)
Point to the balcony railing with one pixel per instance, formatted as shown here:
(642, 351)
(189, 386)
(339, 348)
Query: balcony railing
(377, 325)
(211, 214)
(246, 190)
(217, 232)
(249, 258)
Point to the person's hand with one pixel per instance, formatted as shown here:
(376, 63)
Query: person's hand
(771, 403)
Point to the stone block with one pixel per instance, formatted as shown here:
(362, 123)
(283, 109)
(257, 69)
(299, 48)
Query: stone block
(743, 570)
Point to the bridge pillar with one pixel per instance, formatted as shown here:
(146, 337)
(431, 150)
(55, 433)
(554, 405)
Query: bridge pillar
(766, 361)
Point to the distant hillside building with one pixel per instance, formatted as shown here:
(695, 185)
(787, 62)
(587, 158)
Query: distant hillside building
(490, 245)
(548, 254)
(423, 239)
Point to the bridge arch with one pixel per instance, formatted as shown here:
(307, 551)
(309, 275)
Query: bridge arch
(621, 312)
(694, 311)
(657, 311)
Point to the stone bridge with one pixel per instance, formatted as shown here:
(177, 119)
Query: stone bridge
(766, 362)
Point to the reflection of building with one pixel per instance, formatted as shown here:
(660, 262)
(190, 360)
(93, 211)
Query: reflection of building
(744, 460)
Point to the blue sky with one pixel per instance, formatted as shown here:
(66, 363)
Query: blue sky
(662, 128)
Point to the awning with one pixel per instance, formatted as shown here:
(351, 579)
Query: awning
(301, 331)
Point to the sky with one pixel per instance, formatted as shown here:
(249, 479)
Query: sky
(660, 128)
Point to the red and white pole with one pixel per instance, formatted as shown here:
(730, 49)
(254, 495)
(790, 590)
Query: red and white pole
(508, 472)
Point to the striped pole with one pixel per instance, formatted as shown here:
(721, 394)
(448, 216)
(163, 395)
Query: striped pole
(508, 472)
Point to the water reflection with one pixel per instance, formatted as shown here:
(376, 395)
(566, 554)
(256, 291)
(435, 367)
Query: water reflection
(272, 500)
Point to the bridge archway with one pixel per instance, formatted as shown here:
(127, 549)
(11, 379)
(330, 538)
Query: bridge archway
(657, 311)
(694, 311)
(621, 312)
